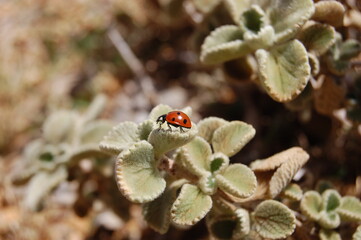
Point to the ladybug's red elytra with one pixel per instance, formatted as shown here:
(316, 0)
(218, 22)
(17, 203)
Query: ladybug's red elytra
(176, 119)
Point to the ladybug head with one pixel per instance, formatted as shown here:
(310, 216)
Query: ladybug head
(161, 119)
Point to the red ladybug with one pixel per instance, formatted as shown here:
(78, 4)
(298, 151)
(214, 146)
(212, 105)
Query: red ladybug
(176, 119)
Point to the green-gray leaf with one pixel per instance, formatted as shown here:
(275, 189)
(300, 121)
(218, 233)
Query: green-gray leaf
(158, 111)
(120, 137)
(350, 208)
(191, 205)
(206, 6)
(357, 234)
(325, 234)
(284, 71)
(329, 220)
(317, 38)
(41, 184)
(287, 16)
(273, 220)
(164, 141)
(232, 137)
(59, 126)
(237, 180)
(95, 108)
(157, 212)
(223, 44)
(85, 151)
(331, 200)
(236, 8)
(144, 129)
(137, 176)
(243, 226)
(198, 156)
(293, 191)
(311, 205)
(94, 131)
(207, 126)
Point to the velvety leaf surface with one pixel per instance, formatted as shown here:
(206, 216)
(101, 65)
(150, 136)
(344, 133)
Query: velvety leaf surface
(120, 137)
(238, 180)
(273, 220)
(191, 205)
(325, 234)
(293, 191)
(207, 126)
(287, 16)
(136, 174)
(350, 208)
(164, 141)
(223, 44)
(284, 71)
(311, 205)
(198, 156)
(157, 212)
(317, 38)
(232, 137)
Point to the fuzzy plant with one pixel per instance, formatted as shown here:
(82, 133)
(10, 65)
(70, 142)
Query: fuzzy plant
(340, 54)
(286, 37)
(67, 138)
(329, 209)
(182, 176)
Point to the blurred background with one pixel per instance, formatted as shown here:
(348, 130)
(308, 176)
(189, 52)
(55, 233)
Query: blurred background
(58, 55)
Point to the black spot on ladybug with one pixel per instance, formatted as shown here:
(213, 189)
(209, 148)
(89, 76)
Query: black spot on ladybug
(178, 113)
(173, 119)
(184, 121)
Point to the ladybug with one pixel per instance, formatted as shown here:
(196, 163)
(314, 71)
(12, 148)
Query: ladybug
(176, 119)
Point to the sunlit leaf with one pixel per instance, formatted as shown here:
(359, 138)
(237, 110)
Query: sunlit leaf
(293, 191)
(158, 111)
(232, 137)
(329, 220)
(238, 180)
(287, 17)
(273, 220)
(317, 38)
(207, 126)
(164, 141)
(191, 205)
(157, 212)
(120, 138)
(284, 71)
(325, 234)
(198, 156)
(311, 205)
(223, 44)
(350, 208)
(136, 174)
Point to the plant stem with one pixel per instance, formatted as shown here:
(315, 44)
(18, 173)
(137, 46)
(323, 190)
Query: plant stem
(144, 80)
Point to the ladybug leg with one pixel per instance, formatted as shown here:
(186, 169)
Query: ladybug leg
(181, 129)
(169, 128)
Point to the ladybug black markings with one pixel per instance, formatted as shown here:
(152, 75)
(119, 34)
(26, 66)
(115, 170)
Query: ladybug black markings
(175, 119)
